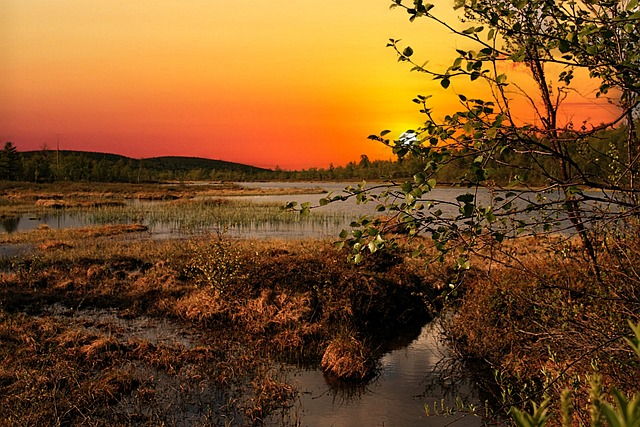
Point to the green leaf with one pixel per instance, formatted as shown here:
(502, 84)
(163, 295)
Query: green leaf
(305, 208)
(445, 83)
(465, 198)
(468, 209)
(407, 51)
(462, 263)
(564, 46)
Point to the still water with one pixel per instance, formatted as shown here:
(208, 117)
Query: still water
(418, 374)
(328, 221)
(338, 216)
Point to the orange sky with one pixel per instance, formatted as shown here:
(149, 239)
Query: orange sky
(270, 83)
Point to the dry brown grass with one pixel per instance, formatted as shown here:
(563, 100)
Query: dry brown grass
(66, 204)
(271, 310)
(53, 244)
(66, 236)
(535, 312)
(18, 197)
(348, 358)
(104, 330)
(202, 306)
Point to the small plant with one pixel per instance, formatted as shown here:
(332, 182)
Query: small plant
(444, 409)
(215, 264)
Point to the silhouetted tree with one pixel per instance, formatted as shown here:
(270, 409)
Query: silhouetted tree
(9, 162)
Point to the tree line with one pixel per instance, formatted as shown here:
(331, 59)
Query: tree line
(61, 165)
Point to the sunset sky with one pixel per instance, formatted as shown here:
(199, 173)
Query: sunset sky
(269, 83)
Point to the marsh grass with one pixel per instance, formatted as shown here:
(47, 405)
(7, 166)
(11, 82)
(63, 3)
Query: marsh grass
(533, 312)
(184, 216)
(203, 214)
(349, 358)
(45, 235)
(110, 330)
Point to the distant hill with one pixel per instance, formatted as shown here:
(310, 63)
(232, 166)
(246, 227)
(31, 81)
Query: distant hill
(89, 155)
(177, 163)
(92, 166)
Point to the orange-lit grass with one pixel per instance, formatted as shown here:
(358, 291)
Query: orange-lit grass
(534, 312)
(17, 196)
(349, 358)
(73, 315)
(47, 238)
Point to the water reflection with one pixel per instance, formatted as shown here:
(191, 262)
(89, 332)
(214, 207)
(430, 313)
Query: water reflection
(409, 379)
(339, 214)
(9, 223)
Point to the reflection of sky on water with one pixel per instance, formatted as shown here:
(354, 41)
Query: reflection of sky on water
(331, 228)
(63, 219)
(409, 379)
(55, 219)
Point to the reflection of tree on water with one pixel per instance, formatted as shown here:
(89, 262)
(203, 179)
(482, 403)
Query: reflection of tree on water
(453, 389)
(344, 392)
(460, 389)
(9, 223)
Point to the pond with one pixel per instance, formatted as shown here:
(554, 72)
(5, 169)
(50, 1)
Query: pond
(245, 217)
(418, 371)
(410, 377)
(255, 216)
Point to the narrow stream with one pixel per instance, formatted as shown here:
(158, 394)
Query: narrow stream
(409, 378)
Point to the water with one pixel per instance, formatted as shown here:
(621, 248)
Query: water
(416, 373)
(337, 215)
(410, 378)
(56, 219)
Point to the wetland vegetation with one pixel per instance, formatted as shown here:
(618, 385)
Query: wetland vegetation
(164, 209)
(98, 328)
(106, 325)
